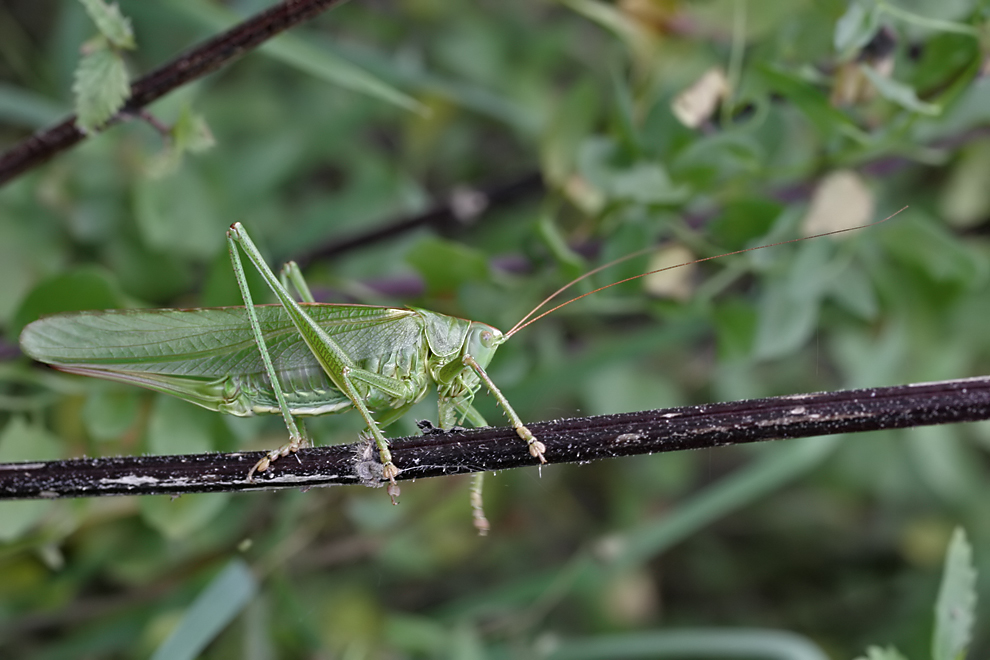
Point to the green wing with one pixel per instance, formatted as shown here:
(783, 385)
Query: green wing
(209, 357)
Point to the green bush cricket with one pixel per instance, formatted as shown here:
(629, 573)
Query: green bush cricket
(300, 358)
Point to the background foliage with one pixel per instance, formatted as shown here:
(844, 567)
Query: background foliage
(830, 115)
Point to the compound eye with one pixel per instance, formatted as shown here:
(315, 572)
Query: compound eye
(486, 339)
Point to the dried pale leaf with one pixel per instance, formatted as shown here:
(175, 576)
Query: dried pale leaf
(101, 88)
(696, 104)
(583, 195)
(111, 23)
(657, 15)
(841, 201)
(675, 283)
(851, 86)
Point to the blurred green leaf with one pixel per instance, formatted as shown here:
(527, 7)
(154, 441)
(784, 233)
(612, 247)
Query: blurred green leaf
(943, 462)
(852, 290)
(735, 324)
(899, 93)
(109, 413)
(189, 133)
(180, 517)
(86, 287)
(623, 388)
(111, 23)
(945, 259)
(101, 87)
(444, 265)
(878, 653)
(956, 604)
(826, 119)
(26, 108)
(610, 17)
(733, 492)
(856, 27)
(964, 201)
(20, 441)
(786, 321)
(214, 608)
(573, 120)
(177, 427)
(688, 642)
(600, 161)
(177, 214)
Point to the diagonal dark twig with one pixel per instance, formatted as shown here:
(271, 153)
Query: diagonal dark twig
(569, 440)
(462, 208)
(195, 63)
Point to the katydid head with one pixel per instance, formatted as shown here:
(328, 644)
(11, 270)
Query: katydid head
(530, 318)
(482, 342)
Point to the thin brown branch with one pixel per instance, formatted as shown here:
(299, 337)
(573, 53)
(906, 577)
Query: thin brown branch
(461, 209)
(195, 63)
(489, 449)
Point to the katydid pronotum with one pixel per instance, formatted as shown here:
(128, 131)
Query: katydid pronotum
(299, 358)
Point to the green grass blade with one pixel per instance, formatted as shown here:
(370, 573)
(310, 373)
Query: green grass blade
(309, 58)
(692, 643)
(741, 489)
(210, 613)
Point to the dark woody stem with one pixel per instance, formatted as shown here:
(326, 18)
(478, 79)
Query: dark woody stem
(490, 449)
(195, 63)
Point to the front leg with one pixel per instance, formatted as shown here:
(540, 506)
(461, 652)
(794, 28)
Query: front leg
(536, 448)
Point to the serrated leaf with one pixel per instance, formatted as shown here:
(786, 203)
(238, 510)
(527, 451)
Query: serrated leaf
(191, 133)
(856, 27)
(956, 603)
(899, 93)
(111, 23)
(101, 88)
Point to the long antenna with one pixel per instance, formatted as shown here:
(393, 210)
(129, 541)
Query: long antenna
(526, 320)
